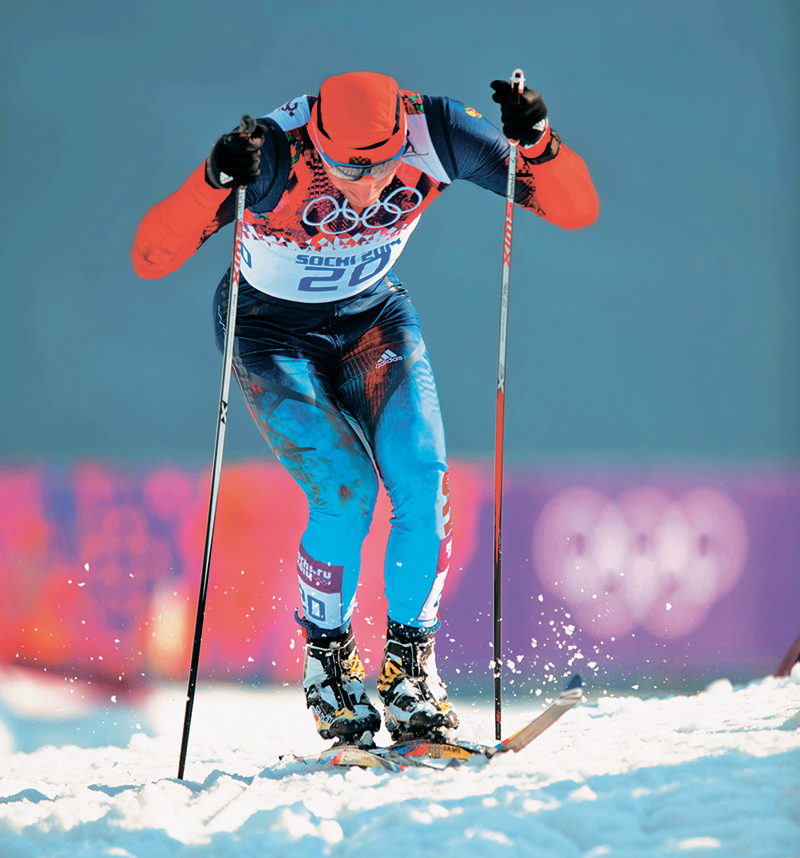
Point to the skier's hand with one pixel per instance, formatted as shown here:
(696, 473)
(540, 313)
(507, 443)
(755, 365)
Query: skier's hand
(521, 113)
(234, 160)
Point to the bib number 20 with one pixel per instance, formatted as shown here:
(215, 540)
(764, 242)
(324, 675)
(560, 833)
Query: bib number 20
(327, 279)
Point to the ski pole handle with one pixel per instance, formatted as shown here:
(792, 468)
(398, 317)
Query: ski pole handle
(247, 125)
(518, 86)
(518, 82)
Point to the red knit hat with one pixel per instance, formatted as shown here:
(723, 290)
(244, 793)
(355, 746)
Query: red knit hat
(358, 118)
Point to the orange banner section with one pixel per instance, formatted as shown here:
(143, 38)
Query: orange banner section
(100, 567)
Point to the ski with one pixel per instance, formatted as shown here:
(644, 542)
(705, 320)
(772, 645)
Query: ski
(349, 755)
(568, 698)
(435, 754)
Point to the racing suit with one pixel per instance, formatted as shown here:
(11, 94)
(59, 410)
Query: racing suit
(328, 350)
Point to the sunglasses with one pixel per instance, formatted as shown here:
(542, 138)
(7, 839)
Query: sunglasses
(354, 172)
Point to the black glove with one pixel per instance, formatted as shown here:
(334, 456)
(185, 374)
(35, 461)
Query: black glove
(235, 157)
(519, 112)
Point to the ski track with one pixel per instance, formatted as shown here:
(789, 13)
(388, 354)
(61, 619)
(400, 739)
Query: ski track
(711, 774)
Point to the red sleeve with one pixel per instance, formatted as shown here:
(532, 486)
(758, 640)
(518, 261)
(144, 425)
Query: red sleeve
(559, 190)
(173, 229)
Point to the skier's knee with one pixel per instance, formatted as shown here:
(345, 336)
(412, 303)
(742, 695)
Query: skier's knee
(350, 501)
(421, 495)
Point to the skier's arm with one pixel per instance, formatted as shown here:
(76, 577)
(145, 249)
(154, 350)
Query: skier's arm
(560, 190)
(552, 180)
(174, 228)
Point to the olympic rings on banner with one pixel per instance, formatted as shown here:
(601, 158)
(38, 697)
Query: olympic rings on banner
(642, 560)
(353, 219)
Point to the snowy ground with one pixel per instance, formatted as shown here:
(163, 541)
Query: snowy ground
(710, 774)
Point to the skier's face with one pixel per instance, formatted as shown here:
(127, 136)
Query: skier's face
(361, 192)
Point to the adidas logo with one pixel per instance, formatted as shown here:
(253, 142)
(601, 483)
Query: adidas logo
(387, 357)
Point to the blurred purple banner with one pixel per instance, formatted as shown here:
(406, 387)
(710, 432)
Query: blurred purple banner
(662, 573)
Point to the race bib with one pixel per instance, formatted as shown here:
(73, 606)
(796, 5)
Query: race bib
(342, 264)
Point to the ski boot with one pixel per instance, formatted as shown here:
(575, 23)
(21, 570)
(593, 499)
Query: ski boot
(414, 698)
(333, 680)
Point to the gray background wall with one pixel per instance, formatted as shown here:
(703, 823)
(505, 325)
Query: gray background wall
(667, 331)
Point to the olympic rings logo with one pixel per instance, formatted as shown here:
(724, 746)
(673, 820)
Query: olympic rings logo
(641, 560)
(391, 209)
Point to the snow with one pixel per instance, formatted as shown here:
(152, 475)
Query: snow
(716, 773)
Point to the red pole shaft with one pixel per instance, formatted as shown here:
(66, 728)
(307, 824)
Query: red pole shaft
(518, 80)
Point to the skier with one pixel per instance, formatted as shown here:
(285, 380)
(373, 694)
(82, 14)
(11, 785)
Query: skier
(328, 350)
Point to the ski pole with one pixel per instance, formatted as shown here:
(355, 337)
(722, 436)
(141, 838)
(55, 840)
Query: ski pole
(246, 127)
(518, 83)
